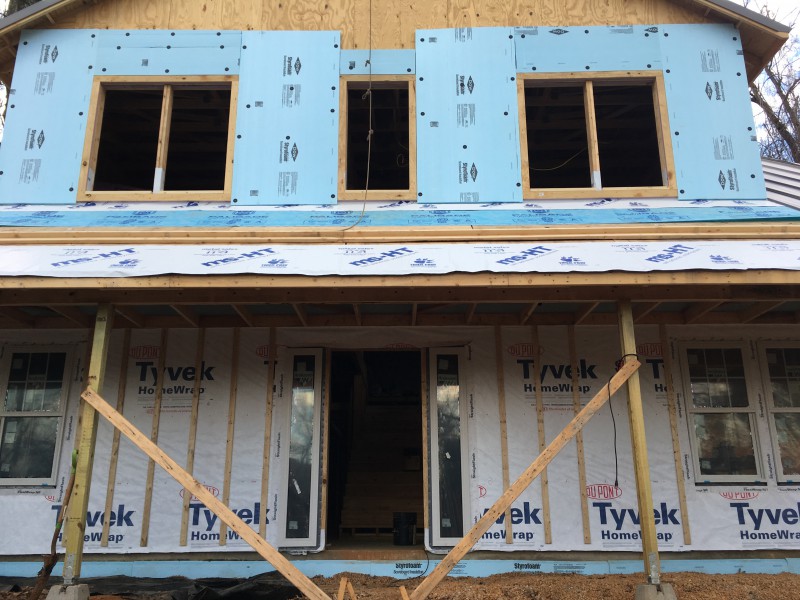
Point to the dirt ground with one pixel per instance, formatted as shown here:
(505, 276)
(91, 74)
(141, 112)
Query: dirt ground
(523, 586)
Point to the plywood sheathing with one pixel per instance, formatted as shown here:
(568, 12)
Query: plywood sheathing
(393, 25)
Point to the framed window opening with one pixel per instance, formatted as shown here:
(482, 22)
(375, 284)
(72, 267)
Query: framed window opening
(781, 373)
(34, 390)
(393, 153)
(717, 381)
(599, 135)
(159, 138)
(449, 446)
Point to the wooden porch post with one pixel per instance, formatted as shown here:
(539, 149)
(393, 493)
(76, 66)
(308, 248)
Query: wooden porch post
(75, 522)
(641, 466)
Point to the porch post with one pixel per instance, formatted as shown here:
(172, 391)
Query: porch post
(75, 522)
(641, 466)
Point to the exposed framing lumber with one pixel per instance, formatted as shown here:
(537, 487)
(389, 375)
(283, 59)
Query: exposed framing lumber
(231, 432)
(271, 362)
(346, 587)
(528, 475)
(581, 315)
(244, 314)
(165, 126)
(426, 416)
(471, 312)
(544, 481)
(326, 436)
(672, 399)
(75, 522)
(151, 466)
(414, 308)
(112, 464)
(192, 441)
(187, 314)
(17, 317)
(641, 464)
(697, 311)
(758, 309)
(576, 408)
(641, 310)
(357, 314)
(503, 417)
(528, 312)
(301, 314)
(129, 315)
(226, 515)
(73, 314)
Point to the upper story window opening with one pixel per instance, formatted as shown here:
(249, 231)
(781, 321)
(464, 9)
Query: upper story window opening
(392, 156)
(159, 139)
(589, 136)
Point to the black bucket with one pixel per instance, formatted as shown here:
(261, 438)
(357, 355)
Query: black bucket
(405, 528)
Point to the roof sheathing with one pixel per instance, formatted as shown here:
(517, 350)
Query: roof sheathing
(761, 36)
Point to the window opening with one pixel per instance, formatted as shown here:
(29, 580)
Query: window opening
(31, 417)
(590, 137)
(156, 141)
(392, 168)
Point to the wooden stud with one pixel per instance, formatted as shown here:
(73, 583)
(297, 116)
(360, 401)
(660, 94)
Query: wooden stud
(342, 589)
(403, 593)
(501, 409)
(225, 514)
(642, 309)
(523, 142)
(673, 426)
(75, 522)
(162, 151)
(91, 142)
(581, 315)
(151, 466)
(272, 361)
(234, 388)
(426, 511)
(528, 475)
(131, 316)
(186, 314)
(244, 314)
(193, 419)
(664, 137)
(357, 313)
(301, 314)
(471, 312)
(326, 436)
(351, 591)
(591, 135)
(545, 482)
(576, 407)
(641, 465)
(414, 308)
(528, 312)
(112, 465)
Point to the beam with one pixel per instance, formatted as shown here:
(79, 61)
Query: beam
(758, 309)
(75, 523)
(71, 313)
(699, 310)
(225, 514)
(18, 317)
(525, 479)
(641, 465)
(414, 308)
(130, 315)
(244, 314)
(581, 315)
(301, 314)
(357, 313)
(471, 312)
(526, 314)
(642, 309)
(187, 314)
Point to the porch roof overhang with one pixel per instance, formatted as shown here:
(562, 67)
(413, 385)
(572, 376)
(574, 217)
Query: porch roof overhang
(696, 297)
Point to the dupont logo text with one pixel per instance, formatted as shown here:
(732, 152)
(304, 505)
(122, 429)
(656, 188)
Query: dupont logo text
(603, 491)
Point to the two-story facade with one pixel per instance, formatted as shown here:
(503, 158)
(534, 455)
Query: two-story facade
(367, 259)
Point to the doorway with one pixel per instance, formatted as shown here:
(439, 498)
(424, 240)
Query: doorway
(375, 451)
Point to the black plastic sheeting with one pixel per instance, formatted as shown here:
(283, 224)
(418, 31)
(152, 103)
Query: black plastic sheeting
(266, 586)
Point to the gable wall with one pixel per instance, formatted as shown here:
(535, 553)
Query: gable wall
(393, 23)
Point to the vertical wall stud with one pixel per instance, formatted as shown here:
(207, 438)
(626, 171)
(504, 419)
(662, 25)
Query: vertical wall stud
(226, 485)
(501, 409)
(544, 482)
(576, 406)
(272, 361)
(192, 442)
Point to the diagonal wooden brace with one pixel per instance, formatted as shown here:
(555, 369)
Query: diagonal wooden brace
(225, 514)
(532, 472)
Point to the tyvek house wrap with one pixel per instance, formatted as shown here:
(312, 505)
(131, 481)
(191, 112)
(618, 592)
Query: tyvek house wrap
(720, 517)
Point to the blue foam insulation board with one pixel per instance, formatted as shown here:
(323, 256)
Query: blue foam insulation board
(287, 125)
(168, 52)
(467, 119)
(711, 121)
(587, 49)
(383, 62)
(46, 118)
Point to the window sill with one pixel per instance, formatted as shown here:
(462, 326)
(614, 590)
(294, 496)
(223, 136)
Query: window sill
(354, 195)
(609, 192)
(141, 196)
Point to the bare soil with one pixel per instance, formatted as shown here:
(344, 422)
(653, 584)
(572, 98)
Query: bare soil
(523, 586)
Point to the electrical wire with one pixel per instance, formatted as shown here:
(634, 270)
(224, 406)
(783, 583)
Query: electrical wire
(619, 364)
(562, 164)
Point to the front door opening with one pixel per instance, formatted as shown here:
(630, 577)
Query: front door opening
(375, 454)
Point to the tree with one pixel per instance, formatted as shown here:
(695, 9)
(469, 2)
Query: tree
(15, 5)
(776, 93)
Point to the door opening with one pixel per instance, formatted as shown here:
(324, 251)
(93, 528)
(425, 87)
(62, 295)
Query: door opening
(375, 452)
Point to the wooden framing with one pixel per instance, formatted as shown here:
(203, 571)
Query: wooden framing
(75, 522)
(151, 466)
(168, 84)
(576, 408)
(587, 79)
(234, 388)
(544, 481)
(226, 515)
(426, 417)
(192, 441)
(503, 415)
(326, 438)
(673, 427)
(641, 464)
(520, 485)
(272, 361)
(377, 82)
(112, 465)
